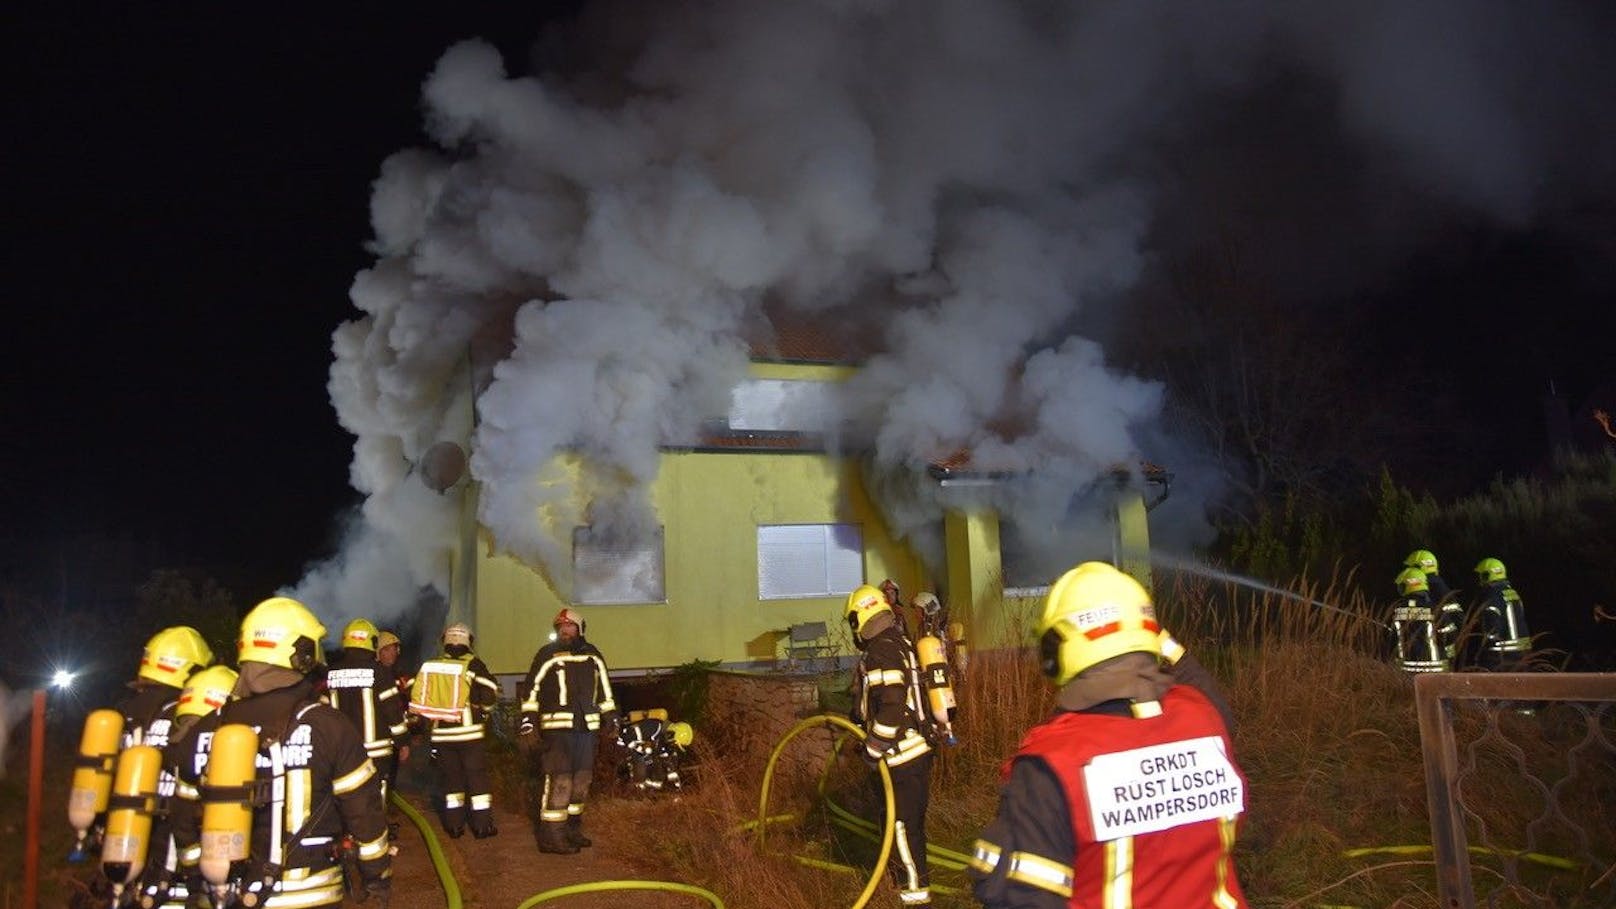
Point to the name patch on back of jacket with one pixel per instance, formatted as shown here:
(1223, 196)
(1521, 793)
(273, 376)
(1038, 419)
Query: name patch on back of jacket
(1144, 790)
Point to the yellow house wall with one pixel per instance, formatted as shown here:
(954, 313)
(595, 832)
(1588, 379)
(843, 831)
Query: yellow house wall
(711, 504)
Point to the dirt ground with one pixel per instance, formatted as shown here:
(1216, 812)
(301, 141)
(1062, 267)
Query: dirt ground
(503, 871)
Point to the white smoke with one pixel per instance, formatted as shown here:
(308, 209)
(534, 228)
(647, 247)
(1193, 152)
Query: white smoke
(975, 184)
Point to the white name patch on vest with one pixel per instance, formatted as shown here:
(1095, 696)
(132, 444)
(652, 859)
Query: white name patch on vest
(1145, 790)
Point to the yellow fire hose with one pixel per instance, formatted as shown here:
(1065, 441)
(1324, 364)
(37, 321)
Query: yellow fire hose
(939, 855)
(598, 886)
(440, 863)
(827, 719)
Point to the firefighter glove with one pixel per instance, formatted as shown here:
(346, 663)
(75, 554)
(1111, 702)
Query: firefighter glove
(873, 751)
(526, 727)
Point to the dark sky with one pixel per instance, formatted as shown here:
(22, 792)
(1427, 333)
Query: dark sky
(186, 192)
(186, 196)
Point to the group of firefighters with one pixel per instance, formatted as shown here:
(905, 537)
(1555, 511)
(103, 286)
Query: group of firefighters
(1435, 633)
(1128, 794)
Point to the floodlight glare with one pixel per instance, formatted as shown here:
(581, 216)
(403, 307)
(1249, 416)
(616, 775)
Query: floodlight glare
(62, 679)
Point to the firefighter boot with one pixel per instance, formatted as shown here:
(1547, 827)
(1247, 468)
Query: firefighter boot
(575, 832)
(553, 838)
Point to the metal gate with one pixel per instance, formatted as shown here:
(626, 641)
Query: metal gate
(1495, 742)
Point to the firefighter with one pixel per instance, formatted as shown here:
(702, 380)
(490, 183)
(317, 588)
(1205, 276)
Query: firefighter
(171, 875)
(1129, 794)
(1419, 647)
(566, 701)
(365, 691)
(453, 693)
(316, 782)
(889, 704)
(1505, 638)
(388, 648)
(170, 657)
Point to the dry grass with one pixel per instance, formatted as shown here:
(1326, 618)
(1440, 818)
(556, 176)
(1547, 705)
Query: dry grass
(1325, 731)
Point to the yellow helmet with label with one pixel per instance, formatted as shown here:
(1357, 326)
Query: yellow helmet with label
(173, 654)
(1489, 570)
(1423, 559)
(863, 604)
(360, 633)
(206, 692)
(1411, 580)
(282, 632)
(1093, 613)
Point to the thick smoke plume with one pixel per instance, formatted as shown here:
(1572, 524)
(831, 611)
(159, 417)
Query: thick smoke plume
(972, 188)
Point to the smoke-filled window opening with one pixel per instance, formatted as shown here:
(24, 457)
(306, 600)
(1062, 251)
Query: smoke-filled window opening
(781, 405)
(1033, 555)
(796, 561)
(616, 571)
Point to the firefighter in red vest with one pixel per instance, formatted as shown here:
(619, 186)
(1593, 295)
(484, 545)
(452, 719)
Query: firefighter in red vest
(1129, 794)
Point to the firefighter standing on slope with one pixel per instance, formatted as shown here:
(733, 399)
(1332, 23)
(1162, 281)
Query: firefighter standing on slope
(566, 699)
(365, 691)
(1505, 639)
(1129, 794)
(889, 704)
(312, 763)
(1419, 648)
(456, 712)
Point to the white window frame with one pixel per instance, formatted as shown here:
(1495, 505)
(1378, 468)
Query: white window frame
(649, 553)
(792, 566)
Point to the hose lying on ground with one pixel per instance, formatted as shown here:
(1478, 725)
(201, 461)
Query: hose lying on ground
(440, 862)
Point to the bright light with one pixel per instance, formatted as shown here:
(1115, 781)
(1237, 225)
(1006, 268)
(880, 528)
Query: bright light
(62, 679)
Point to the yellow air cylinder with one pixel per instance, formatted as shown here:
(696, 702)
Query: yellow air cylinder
(226, 805)
(92, 773)
(129, 814)
(939, 694)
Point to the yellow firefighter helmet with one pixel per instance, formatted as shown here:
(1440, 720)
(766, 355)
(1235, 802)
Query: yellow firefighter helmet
(206, 691)
(360, 633)
(863, 604)
(1411, 580)
(173, 654)
(682, 734)
(282, 632)
(1093, 613)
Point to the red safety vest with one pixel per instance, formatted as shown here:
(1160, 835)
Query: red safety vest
(1153, 801)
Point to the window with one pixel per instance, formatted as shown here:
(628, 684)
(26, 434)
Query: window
(615, 570)
(809, 560)
(781, 405)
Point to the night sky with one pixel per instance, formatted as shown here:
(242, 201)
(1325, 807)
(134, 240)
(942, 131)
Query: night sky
(187, 192)
(186, 195)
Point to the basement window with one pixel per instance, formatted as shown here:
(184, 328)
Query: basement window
(610, 570)
(809, 560)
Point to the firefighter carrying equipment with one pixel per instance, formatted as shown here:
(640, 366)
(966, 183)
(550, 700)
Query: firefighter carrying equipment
(93, 767)
(280, 631)
(361, 633)
(1414, 623)
(442, 687)
(1094, 612)
(173, 654)
(129, 816)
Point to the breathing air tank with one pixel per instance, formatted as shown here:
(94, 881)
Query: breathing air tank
(129, 815)
(227, 805)
(939, 694)
(92, 773)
